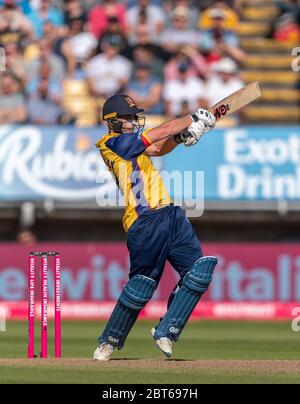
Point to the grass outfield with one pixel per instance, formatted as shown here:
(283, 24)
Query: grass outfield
(209, 352)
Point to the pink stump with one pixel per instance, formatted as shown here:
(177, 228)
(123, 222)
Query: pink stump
(44, 307)
(57, 304)
(31, 306)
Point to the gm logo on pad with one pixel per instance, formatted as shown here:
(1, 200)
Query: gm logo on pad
(112, 339)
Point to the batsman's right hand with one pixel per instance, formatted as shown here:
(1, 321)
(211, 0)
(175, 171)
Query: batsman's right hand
(193, 133)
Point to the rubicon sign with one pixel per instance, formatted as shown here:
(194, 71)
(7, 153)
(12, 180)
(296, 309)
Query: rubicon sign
(53, 163)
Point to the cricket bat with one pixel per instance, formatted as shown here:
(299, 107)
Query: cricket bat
(236, 101)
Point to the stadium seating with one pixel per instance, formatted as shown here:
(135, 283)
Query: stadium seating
(79, 103)
(269, 63)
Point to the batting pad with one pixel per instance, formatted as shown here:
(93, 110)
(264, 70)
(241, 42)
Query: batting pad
(135, 295)
(195, 284)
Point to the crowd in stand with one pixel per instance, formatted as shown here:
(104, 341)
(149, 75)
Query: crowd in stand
(169, 55)
(286, 24)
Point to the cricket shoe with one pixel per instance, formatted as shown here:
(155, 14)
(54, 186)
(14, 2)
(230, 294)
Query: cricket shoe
(164, 344)
(103, 352)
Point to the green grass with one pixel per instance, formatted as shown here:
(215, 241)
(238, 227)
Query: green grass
(204, 340)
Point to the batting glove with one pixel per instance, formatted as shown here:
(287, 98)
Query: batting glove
(206, 117)
(193, 133)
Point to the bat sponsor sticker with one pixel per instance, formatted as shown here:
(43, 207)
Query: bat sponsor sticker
(222, 110)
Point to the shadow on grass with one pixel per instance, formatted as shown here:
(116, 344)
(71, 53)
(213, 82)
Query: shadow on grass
(151, 360)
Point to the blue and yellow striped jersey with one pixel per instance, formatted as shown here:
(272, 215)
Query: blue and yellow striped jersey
(142, 186)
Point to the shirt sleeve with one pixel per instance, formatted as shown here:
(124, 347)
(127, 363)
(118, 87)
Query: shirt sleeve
(129, 145)
(231, 39)
(124, 69)
(168, 91)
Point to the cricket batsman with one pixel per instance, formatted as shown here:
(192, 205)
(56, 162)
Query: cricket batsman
(157, 230)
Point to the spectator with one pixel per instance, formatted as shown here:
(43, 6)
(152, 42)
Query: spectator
(109, 72)
(12, 101)
(145, 54)
(145, 38)
(35, 4)
(100, 14)
(15, 62)
(141, 33)
(146, 90)
(193, 12)
(219, 42)
(14, 26)
(60, 44)
(143, 50)
(184, 93)
(134, 3)
(26, 237)
(46, 53)
(42, 109)
(89, 4)
(286, 25)
(149, 14)
(23, 5)
(45, 12)
(197, 65)
(114, 28)
(77, 47)
(82, 43)
(224, 82)
(74, 11)
(179, 34)
(45, 74)
(231, 18)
